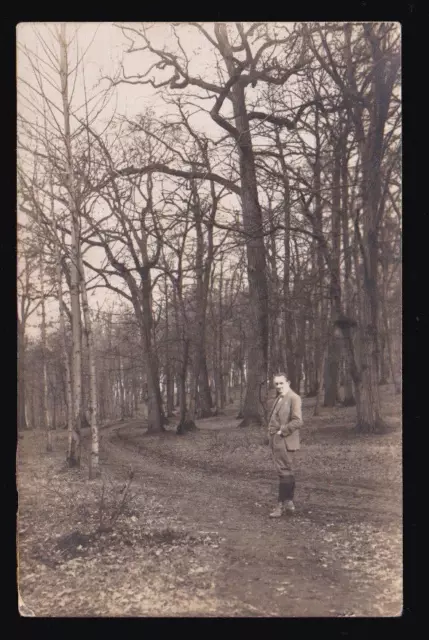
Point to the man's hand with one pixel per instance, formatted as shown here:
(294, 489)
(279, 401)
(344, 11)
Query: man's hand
(279, 433)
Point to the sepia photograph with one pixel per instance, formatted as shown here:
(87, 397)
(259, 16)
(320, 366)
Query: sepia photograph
(209, 319)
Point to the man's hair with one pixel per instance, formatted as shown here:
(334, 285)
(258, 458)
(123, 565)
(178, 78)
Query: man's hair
(281, 374)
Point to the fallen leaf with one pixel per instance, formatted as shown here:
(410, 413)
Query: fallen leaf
(198, 570)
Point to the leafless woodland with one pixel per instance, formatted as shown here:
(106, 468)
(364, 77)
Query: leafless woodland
(200, 206)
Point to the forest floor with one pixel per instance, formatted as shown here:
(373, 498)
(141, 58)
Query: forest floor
(190, 536)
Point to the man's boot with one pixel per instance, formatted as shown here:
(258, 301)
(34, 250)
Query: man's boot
(286, 492)
(289, 506)
(278, 511)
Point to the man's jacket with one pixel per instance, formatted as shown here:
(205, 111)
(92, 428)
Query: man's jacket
(286, 416)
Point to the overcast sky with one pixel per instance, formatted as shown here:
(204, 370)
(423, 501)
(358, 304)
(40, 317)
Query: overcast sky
(105, 45)
(105, 48)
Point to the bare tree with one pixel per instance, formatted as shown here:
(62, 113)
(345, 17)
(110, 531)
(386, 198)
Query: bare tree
(28, 303)
(132, 210)
(368, 90)
(233, 89)
(47, 133)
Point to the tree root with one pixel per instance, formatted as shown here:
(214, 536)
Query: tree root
(251, 421)
(379, 426)
(349, 402)
(205, 413)
(73, 462)
(311, 394)
(185, 426)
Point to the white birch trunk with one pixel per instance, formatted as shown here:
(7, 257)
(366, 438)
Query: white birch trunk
(121, 387)
(94, 465)
(74, 454)
(45, 408)
(69, 393)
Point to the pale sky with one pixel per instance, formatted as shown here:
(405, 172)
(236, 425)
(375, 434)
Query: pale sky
(105, 47)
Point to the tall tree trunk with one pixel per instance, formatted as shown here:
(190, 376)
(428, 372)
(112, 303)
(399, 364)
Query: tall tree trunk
(193, 384)
(182, 385)
(349, 399)
(383, 326)
(198, 395)
(220, 394)
(54, 408)
(288, 317)
(32, 393)
(300, 335)
(102, 396)
(169, 379)
(205, 393)
(370, 134)
(305, 362)
(255, 249)
(109, 381)
(22, 420)
(94, 465)
(178, 349)
(142, 301)
(46, 414)
(156, 417)
(313, 383)
(319, 320)
(226, 374)
(64, 349)
(135, 395)
(142, 304)
(121, 384)
(319, 394)
(177, 402)
(155, 411)
(389, 345)
(384, 367)
(334, 346)
(74, 452)
(186, 420)
(241, 357)
(320, 271)
(276, 360)
(369, 408)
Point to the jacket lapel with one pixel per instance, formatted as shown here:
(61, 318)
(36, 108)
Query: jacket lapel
(274, 407)
(282, 401)
(277, 405)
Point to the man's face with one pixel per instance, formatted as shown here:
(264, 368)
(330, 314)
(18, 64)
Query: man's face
(281, 385)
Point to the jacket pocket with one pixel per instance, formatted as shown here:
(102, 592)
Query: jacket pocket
(292, 441)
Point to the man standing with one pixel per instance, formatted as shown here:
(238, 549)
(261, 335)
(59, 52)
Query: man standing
(283, 433)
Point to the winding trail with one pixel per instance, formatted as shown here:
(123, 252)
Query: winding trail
(295, 566)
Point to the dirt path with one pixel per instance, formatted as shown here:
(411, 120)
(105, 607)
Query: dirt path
(334, 557)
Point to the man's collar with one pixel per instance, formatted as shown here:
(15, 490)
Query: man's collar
(285, 395)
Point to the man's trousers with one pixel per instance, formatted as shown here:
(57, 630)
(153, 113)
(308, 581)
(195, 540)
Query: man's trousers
(284, 466)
